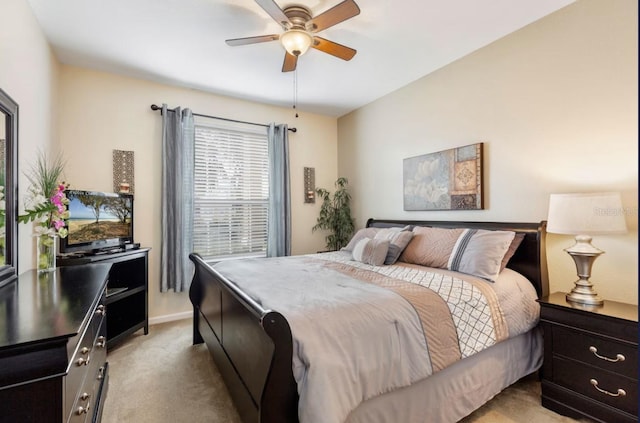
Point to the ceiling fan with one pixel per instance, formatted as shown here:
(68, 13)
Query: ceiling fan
(300, 28)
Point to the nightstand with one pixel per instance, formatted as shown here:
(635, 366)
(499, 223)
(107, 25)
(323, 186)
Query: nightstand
(590, 364)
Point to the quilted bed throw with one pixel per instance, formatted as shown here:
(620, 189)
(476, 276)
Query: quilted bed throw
(360, 330)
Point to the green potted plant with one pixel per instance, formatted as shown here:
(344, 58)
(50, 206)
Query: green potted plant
(335, 215)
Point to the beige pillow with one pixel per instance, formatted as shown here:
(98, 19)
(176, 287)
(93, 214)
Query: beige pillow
(517, 240)
(431, 246)
(359, 235)
(371, 251)
(398, 239)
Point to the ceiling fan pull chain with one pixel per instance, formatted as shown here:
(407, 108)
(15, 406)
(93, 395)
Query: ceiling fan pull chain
(295, 90)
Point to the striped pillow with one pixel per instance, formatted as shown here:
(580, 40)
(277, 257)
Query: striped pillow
(360, 235)
(398, 240)
(371, 251)
(480, 252)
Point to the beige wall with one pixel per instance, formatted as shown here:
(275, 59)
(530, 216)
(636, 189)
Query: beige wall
(100, 112)
(29, 74)
(556, 105)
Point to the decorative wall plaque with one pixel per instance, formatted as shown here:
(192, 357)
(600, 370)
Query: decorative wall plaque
(123, 177)
(309, 185)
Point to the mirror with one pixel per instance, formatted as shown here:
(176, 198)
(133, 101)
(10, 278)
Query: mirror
(8, 188)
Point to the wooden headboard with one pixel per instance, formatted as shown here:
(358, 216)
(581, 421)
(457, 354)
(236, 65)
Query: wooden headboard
(530, 258)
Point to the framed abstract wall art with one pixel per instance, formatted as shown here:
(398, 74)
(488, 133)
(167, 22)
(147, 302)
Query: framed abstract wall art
(445, 180)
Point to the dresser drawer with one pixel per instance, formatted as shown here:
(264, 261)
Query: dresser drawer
(600, 352)
(83, 407)
(83, 360)
(98, 356)
(601, 385)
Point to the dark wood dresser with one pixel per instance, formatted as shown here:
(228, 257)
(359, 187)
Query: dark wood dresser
(590, 359)
(53, 346)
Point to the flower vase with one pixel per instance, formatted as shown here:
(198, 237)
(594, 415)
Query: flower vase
(46, 253)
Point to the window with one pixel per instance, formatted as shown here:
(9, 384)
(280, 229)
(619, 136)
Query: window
(231, 190)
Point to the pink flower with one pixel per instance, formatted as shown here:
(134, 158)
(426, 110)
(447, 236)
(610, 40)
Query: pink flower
(58, 224)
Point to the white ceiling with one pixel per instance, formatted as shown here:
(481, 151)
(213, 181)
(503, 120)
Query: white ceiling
(181, 42)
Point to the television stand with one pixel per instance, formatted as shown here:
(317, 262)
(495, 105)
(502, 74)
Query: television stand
(109, 251)
(127, 290)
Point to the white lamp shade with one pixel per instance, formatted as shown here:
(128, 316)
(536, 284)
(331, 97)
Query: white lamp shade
(586, 214)
(296, 41)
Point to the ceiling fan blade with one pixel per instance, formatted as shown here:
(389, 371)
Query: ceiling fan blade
(275, 12)
(252, 40)
(338, 13)
(290, 62)
(334, 49)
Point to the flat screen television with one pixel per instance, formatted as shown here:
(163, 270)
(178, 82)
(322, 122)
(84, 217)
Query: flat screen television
(98, 221)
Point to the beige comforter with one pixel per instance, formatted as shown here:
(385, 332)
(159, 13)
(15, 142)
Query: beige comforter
(360, 330)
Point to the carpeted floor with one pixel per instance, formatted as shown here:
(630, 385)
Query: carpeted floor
(161, 378)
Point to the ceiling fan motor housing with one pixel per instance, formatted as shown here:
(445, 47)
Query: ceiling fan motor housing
(298, 17)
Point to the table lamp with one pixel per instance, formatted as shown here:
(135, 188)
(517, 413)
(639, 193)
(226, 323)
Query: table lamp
(584, 215)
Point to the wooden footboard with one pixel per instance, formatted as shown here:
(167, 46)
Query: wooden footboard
(251, 346)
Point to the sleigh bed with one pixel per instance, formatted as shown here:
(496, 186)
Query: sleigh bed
(266, 358)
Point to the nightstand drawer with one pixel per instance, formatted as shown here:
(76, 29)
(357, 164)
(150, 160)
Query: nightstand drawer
(602, 386)
(597, 351)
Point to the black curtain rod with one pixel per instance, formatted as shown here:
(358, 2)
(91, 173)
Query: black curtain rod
(154, 107)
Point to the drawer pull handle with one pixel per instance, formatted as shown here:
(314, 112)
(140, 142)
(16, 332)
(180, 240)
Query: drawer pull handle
(100, 373)
(84, 350)
(83, 362)
(101, 342)
(594, 350)
(620, 393)
(83, 410)
(101, 310)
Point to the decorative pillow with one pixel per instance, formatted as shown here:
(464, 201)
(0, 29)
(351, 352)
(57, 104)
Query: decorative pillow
(371, 251)
(398, 240)
(359, 235)
(431, 246)
(517, 240)
(480, 252)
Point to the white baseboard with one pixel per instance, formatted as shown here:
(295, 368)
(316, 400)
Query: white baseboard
(170, 317)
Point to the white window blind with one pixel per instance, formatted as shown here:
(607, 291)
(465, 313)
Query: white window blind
(231, 190)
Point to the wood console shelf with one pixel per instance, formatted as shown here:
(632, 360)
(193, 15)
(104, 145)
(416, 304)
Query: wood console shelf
(127, 291)
(53, 365)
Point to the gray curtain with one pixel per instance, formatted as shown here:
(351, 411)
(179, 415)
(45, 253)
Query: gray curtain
(279, 223)
(177, 199)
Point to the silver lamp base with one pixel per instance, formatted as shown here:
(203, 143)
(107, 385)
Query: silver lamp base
(584, 254)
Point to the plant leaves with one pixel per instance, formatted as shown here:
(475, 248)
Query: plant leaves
(335, 215)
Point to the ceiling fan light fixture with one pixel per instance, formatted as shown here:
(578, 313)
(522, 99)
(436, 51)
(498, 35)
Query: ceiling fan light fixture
(296, 41)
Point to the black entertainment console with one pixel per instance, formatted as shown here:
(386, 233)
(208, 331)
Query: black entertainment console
(127, 288)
